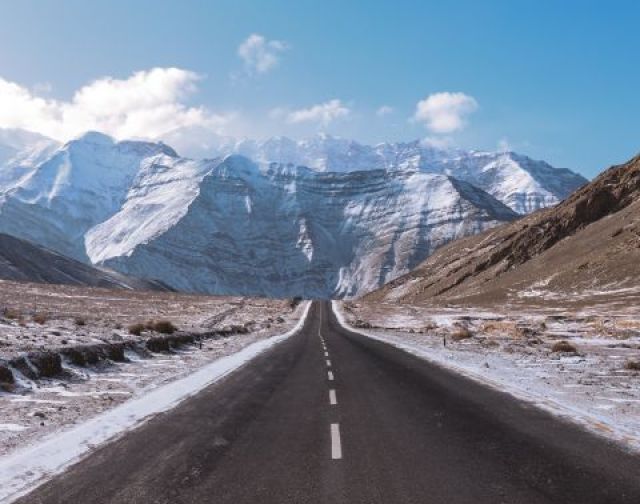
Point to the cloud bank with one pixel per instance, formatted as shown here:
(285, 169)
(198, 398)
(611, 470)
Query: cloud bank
(148, 104)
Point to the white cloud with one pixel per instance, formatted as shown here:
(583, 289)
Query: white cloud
(384, 110)
(445, 112)
(259, 54)
(323, 113)
(148, 104)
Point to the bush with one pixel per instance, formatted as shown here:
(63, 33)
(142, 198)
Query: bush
(136, 329)
(563, 346)
(11, 314)
(461, 333)
(40, 318)
(295, 302)
(632, 365)
(79, 321)
(164, 327)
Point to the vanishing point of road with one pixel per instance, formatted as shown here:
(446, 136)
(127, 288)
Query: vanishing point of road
(330, 416)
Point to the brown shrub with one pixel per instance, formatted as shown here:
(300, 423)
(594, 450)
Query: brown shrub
(632, 365)
(80, 321)
(462, 333)
(164, 327)
(563, 346)
(136, 329)
(40, 318)
(11, 314)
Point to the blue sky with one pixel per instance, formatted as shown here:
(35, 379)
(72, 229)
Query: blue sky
(557, 80)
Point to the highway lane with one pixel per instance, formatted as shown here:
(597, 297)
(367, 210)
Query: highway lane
(329, 416)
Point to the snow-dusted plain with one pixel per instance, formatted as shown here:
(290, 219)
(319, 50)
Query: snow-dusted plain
(59, 318)
(597, 386)
(356, 217)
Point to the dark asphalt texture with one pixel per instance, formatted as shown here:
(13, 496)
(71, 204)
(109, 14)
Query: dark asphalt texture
(411, 432)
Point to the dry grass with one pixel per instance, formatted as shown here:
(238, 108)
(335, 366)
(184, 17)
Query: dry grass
(161, 326)
(632, 365)
(40, 318)
(136, 329)
(164, 327)
(499, 326)
(462, 333)
(11, 314)
(563, 346)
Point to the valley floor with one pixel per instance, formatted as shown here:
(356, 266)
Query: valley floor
(58, 320)
(595, 381)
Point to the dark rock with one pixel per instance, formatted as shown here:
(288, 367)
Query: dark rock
(6, 375)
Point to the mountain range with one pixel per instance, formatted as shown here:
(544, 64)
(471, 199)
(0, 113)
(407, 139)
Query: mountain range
(322, 217)
(586, 249)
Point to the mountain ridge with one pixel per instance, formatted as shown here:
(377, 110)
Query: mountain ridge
(588, 243)
(125, 204)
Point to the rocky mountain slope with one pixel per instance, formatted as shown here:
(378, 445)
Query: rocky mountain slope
(290, 230)
(588, 247)
(25, 262)
(233, 226)
(519, 182)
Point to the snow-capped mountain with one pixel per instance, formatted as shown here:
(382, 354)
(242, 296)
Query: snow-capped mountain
(521, 183)
(55, 202)
(234, 225)
(286, 230)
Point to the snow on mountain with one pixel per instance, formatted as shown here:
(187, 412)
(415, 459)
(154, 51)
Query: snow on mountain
(82, 184)
(358, 217)
(20, 151)
(284, 231)
(519, 182)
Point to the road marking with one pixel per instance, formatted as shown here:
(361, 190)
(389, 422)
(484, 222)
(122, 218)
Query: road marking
(332, 397)
(328, 363)
(330, 374)
(336, 446)
(326, 354)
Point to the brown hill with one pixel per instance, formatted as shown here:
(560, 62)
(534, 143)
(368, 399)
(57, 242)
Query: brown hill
(23, 261)
(585, 248)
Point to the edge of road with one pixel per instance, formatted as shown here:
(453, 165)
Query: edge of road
(29, 467)
(628, 441)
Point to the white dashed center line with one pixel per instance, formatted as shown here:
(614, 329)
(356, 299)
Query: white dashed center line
(330, 375)
(328, 363)
(336, 446)
(326, 354)
(332, 397)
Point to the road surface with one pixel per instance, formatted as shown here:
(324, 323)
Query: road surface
(329, 416)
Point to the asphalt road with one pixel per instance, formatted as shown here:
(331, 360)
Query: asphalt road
(362, 423)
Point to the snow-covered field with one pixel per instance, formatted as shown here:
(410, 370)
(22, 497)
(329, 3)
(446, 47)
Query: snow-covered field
(597, 385)
(37, 318)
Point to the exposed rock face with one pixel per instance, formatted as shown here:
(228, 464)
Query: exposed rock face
(591, 241)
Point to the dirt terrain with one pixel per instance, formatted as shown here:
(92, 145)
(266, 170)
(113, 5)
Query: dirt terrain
(583, 252)
(68, 353)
